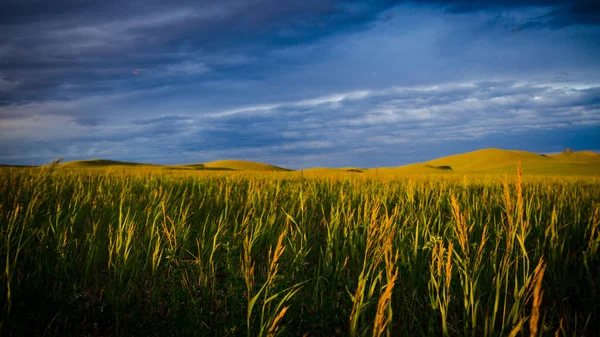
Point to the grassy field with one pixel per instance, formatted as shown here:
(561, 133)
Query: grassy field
(136, 250)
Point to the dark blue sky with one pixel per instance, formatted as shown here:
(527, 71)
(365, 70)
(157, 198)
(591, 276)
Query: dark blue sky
(295, 83)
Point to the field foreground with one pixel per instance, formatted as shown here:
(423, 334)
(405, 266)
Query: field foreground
(97, 253)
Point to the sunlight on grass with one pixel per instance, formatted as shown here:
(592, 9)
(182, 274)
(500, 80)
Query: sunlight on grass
(150, 251)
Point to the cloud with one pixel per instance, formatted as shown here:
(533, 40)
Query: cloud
(289, 82)
(567, 14)
(186, 68)
(161, 120)
(44, 46)
(332, 130)
(7, 85)
(558, 13)
(47, 50)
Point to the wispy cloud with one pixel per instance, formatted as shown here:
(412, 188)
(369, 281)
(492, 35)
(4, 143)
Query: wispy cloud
(186, 68)
(388, 120)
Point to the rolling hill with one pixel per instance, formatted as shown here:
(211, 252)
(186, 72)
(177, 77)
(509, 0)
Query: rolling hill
(485, 161)
(99, 163)
(327, 170)
(493, 161)
(219, 165)
(242, 165)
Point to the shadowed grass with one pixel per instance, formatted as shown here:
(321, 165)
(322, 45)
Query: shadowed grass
(158, 252)
(144, 250)
(99, 163)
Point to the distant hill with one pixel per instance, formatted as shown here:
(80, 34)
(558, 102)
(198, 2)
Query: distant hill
(326, 170)
(219, 165)
(15, 166)
(100, 163)
(505, 161)
(485, 161)
(242, 165)
(579, 156)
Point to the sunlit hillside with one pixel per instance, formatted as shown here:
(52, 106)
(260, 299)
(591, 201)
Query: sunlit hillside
(493, 161)
(100, 163)
(485, 161)
(243, 165)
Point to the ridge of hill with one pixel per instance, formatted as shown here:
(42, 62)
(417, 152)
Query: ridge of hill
(242, 165)
(100, 163)
(495, 160)
(225, 165)
(484, 161)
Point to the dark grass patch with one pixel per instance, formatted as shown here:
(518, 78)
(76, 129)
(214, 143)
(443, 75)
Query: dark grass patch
(441, 167)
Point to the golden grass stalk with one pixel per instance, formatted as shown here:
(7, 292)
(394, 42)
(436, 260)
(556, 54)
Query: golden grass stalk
(383, 317)
(517, 328)
(439, 285)
(384, 306)
(461, 230)
(519, 190)
(273, 329)
(537, 298)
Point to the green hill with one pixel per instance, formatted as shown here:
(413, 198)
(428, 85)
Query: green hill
(485, 161)
(494, 161)
(323, 171)
(224, 165)
(100, 163)
(577, 157)
(242, 165)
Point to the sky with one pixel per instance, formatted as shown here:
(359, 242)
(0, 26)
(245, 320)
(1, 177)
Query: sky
(298, 84)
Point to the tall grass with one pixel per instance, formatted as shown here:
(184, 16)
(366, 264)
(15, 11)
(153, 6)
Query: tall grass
(143, 252)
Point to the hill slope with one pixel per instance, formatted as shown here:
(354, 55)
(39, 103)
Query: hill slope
(242, 165)
(485, 161)
(99, 163)
(494, 161)
(225, 165)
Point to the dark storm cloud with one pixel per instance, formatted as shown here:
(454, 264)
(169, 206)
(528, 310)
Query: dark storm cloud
(44, 45)
(161, 120)
(295, 83)
(88, 121)
(561, 13)
(578, 13)
(358, 128)
(67, 47)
